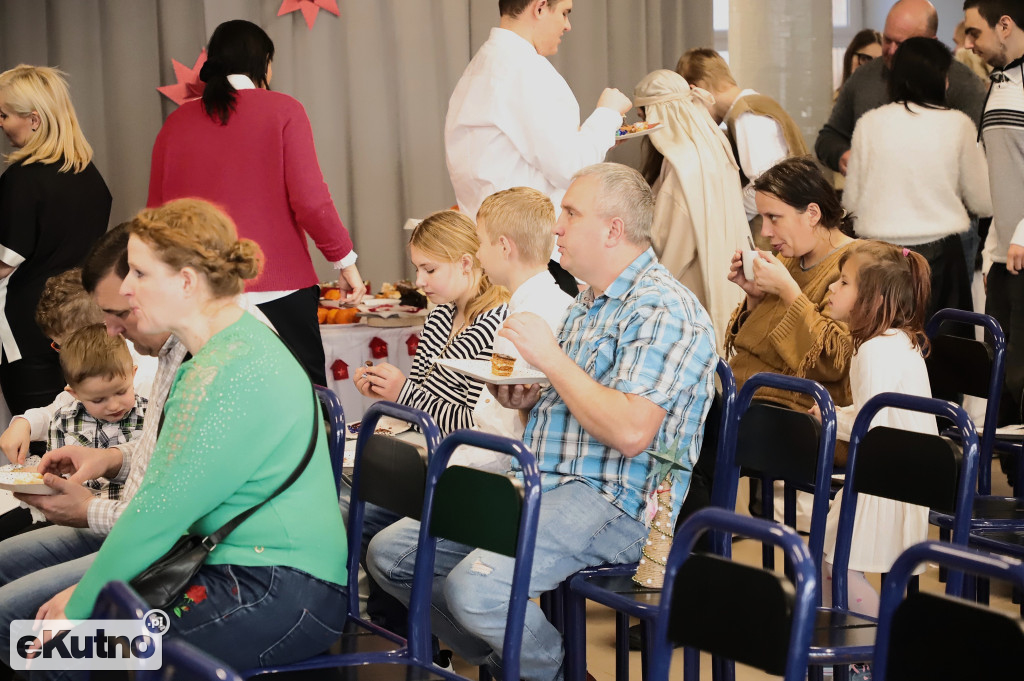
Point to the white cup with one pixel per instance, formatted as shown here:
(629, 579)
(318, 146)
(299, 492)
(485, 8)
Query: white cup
(748, 264)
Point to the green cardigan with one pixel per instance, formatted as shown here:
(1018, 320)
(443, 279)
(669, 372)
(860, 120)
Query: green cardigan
(238, 420)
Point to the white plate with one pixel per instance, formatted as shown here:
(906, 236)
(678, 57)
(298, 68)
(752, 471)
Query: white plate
(1011, 433)
(385, 426)
(389, 307)
(481, 370)
(641, 133)
(11, 480)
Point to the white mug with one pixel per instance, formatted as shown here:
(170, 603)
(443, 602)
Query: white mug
(748, 264)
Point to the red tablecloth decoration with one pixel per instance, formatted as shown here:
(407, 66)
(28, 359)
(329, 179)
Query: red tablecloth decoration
(378, 348)
(412, 342)
(340, 370)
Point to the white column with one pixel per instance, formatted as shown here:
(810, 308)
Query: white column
(783, 49)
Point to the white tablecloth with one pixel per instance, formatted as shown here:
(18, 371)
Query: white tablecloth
(350, 343)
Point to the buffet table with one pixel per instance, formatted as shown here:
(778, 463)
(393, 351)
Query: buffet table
(347, 346)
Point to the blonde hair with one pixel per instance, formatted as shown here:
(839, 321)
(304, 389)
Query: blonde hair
(91, 351)
(524, 216)
(195, 233)
(705, 67)
(64, 306)
(448, 235)
(42, 89)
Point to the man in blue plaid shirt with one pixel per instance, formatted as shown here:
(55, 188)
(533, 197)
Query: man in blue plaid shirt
(632, 373)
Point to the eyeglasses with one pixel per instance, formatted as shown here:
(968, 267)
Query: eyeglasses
(55, 345)
(862, 58)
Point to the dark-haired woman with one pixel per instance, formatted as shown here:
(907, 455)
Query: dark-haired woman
(250, 151)
(864, 47)
(916, 171)
(780, 327)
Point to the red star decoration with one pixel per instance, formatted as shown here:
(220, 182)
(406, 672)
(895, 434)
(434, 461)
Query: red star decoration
(310, 9)
(189, 86)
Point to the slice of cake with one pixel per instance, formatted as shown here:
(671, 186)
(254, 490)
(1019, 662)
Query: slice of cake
(502, 365)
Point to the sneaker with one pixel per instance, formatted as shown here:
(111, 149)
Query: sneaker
(443, 659)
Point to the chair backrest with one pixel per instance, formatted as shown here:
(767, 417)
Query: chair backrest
(775, 629)
(779, 443)
(388, 472)
(480, 509)
(916, 468)
(118, 601)
(977, 642)
(965, 366)
(334, 416)
(184, 662)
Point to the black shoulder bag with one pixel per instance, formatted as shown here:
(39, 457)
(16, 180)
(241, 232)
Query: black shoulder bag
(167, 578)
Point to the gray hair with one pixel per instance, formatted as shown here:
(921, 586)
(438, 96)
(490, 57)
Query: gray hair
(624, 194)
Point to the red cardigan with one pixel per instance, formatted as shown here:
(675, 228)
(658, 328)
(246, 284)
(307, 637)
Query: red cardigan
(262, 169)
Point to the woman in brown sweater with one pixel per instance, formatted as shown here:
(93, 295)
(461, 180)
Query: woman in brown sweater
(780, 327)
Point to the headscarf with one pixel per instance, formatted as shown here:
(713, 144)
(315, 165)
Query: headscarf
(706, 178)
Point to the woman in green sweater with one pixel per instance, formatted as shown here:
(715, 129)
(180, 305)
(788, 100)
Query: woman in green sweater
(237, 422)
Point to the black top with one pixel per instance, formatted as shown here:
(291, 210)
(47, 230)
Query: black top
(48, 222)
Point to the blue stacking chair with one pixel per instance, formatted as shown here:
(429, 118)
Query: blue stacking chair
(334, 415)
(965, 366)
(487, 510)
(184, 662)
(611, 585)
(931, 636)
(916, 468)
(737, 612)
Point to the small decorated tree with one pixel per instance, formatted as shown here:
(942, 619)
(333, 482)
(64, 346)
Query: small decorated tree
(650, 572)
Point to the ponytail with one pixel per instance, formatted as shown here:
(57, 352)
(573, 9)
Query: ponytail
(236, 46)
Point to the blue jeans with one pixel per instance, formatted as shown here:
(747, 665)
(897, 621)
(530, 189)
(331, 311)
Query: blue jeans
(35, 566)
(578, 528)
(253, 616)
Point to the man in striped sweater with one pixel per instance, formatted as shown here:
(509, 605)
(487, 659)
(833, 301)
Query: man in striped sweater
(993, 32)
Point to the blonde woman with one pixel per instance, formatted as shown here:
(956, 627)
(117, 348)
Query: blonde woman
(698, 215)
(462, 326)
(53, 205)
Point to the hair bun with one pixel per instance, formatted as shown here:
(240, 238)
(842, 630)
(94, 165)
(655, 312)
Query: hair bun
(246, 258)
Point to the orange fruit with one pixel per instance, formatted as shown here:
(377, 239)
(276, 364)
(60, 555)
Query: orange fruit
(331, 294)
(321, 315)
(347, 315)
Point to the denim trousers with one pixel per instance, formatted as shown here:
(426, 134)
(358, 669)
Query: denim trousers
(578, 528)
(251, 617)
(35, 566)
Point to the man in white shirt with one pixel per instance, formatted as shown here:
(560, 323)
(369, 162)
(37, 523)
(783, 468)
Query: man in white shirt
(760, 130)
(513, 120)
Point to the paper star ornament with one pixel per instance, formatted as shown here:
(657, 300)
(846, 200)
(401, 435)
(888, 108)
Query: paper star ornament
(310, 9)
(189, 86)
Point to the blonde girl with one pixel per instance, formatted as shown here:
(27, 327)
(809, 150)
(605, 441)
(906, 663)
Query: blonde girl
(882, 294)
(462, 326)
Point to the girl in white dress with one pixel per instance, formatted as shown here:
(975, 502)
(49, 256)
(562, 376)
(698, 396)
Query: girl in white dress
(882, 294)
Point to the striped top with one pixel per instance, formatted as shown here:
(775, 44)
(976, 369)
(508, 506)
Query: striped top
(647, 336)
(1002, 129)
(449, 397)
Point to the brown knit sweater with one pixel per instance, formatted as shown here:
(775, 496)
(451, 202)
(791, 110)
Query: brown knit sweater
(796, 340)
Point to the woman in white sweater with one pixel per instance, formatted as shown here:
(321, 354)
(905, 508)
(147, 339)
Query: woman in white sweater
(916, 171)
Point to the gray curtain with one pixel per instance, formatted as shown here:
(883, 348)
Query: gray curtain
(375, 83)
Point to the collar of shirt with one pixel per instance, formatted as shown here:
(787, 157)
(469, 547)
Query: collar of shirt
(743, 93)
(510, 40)
(240, 81)
(1010, 73)
(629, 277)
(537, 285)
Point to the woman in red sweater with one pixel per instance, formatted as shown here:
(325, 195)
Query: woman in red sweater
(251, 151)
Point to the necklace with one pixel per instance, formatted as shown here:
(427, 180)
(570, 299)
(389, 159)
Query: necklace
(447, 345)
(819, 261)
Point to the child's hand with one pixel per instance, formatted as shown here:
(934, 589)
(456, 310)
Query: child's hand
(15, 440)
(382, 381)
(815, 412)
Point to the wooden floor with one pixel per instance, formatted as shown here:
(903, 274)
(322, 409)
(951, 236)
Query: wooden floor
(601, 621)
